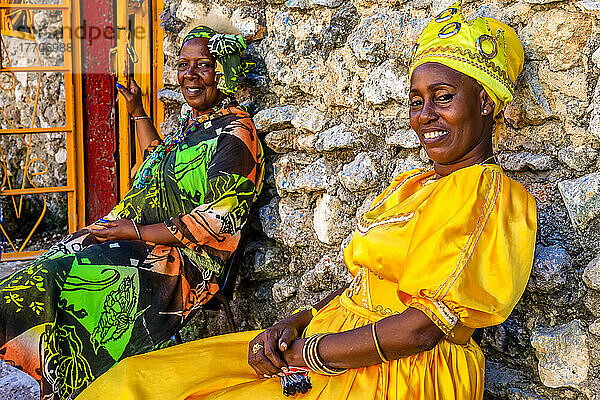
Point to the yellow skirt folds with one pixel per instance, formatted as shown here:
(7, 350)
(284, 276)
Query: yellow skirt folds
(459, 249)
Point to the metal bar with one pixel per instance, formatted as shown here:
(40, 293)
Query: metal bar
(23, 255)
(27, 131)
(37, 68)
(70, 120)
(22, 6)
(37, 190)
(123, 117)
(158, 59)
(76, 54)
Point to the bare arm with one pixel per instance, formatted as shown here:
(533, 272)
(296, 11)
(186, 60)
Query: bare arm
(146, 132)
(123, 229)
(399, 336)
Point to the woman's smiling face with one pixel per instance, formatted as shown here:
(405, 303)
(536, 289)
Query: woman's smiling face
(196, 75)
(451, 114)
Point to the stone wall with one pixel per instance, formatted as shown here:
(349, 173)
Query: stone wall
(330, 99)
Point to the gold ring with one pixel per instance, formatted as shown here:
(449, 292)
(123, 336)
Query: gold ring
(257, 347)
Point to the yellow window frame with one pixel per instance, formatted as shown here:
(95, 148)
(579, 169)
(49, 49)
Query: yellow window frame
(73, 129)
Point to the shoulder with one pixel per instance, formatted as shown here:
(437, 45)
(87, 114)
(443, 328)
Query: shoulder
(236, 124)
(488, 176)
(487, 188)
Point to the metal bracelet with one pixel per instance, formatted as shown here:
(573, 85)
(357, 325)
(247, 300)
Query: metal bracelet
(139, 235)
(377, 346)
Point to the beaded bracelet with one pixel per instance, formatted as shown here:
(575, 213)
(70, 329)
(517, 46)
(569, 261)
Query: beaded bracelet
(377, 346)
(311, 357)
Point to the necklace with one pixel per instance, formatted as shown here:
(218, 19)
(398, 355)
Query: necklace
(177, 135)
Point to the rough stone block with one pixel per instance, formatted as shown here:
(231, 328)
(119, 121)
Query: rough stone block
(317, 279)
(189, 10)
(589, 5)
(359, 174)
(367, 40)
(267, 263)
(406, 138)
(595, 327)
(274, 118)
(578, 158)
(299, 4)
(562, 352)
(385, 83)
(336, 138)
(532, 104)
(250, 22)
(292, 178)
(328, 3)
(549, 268)
(309, 119)
(557, 35)
(270, 220)
(296, 224)
(329, 219)
(596, 57)
(591, 274)
(582, 199)
(306, 143)
(410, 162)
(171, 96)
(521, 161)
(284, 289)
(281, 141)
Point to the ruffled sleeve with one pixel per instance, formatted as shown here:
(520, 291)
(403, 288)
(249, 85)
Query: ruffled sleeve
(234, 179)
(471, 252)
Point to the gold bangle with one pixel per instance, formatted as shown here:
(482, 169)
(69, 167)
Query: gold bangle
(311, 357)
(139, 117)
(136, 229)
(377, 343)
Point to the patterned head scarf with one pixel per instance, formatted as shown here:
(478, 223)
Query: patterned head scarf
(227, 50)
(485, 49)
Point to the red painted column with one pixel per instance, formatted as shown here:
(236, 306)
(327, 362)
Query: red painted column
(99, 93)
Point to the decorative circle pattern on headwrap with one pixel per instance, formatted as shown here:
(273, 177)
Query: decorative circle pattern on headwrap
(227, 50)
(485, 49)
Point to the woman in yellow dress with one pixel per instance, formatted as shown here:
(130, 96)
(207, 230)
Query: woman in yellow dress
(439, 253)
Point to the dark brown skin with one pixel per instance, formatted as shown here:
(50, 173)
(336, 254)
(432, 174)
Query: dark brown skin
(441, 99)
(444, 99)
(196, 70)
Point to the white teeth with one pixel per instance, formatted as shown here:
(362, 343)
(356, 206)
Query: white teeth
(193, 91)
(434, 134)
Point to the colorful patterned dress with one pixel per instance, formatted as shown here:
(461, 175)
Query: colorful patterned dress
(82, 306)
(459, 249)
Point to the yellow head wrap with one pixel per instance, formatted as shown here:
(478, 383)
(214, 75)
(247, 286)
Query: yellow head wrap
(485, 49)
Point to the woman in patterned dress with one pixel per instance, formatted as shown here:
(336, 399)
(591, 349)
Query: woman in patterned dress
(126, 283)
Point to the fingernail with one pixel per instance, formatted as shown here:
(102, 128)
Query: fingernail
(281, 374)
(283, 346)
(267, 376)
(284, 369)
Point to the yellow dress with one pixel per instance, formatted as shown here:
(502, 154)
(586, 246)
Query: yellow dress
(459, 248)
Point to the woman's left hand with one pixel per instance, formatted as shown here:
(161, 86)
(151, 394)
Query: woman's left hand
(120, 229)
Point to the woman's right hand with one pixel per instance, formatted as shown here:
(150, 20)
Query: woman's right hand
(133, 98)
(264, 351)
